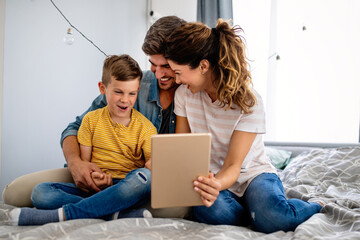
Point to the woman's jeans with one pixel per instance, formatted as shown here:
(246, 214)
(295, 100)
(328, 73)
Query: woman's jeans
(263, 205)
(122, 195)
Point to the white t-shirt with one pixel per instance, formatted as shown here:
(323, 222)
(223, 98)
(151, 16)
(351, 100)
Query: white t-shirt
(205, 116)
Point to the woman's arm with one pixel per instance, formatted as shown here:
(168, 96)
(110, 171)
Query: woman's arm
(182, 125)
(240, 145)
(209, 187)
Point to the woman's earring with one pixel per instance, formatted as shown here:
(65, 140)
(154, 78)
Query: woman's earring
(202, 73)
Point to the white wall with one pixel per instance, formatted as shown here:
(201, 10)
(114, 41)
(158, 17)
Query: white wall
(185, 9)
(2, 28)
(48, 83)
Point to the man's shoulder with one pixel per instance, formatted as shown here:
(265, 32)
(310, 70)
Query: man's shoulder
(148, 89)
(148, 77)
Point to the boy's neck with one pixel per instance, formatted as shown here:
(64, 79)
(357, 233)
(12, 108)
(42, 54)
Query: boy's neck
(122, 120)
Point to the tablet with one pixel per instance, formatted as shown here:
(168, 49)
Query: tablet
(176, 161)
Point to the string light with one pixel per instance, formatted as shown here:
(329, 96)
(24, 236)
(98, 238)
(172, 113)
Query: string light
(72, 26)
(154, 16)
(69, 37)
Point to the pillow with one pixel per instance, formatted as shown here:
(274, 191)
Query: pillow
(18, 192)
(279, 158)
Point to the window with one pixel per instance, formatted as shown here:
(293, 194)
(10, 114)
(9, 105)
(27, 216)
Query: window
(304, 62)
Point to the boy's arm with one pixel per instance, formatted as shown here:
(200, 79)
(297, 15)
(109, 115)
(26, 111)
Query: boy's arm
(147, 146)
(80, 170)
(100, 179)
(85, 153)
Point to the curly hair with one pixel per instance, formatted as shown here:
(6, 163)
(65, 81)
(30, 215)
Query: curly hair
(225, 50)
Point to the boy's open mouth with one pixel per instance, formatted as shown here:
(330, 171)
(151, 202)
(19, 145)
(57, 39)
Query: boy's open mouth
(123, 108)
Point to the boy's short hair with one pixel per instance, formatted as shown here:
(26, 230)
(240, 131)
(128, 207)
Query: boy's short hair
(122, 68)
(154, 42)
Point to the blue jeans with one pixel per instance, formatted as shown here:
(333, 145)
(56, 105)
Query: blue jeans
(263, 205)
(122, 195)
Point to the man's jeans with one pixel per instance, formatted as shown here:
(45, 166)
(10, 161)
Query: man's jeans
(263, 205)
(132, 191)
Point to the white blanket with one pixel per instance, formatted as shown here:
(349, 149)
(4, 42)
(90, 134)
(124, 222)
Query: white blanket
(329, 174)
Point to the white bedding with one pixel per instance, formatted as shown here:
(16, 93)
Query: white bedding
(329, 174)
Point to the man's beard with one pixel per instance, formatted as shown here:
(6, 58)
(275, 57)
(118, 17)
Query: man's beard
(166, 87)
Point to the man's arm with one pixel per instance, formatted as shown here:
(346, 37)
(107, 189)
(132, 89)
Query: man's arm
(79, 169)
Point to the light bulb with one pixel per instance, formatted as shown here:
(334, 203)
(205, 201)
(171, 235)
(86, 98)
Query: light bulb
(154, 16)
(69, 37)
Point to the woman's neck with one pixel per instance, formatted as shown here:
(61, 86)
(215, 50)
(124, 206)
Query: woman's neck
(212, 95)
(210, 89)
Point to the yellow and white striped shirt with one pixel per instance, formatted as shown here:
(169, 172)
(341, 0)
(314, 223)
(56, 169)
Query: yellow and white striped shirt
(117, 149)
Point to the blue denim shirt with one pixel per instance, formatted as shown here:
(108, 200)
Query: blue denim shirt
(147, 102)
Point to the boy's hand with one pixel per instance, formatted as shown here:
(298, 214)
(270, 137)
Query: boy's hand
(148, 164)
(102, 180)
(81, 173)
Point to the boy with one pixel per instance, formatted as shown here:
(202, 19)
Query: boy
(114, 133)
(118, 139)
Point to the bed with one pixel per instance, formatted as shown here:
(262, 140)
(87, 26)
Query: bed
(328, 172)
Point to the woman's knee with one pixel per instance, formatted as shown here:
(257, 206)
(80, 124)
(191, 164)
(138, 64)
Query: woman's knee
(217, 216)
(225, 210)
(208, 215)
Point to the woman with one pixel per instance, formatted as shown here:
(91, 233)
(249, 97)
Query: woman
(216, 96)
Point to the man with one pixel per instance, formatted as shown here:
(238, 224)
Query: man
(155, 101)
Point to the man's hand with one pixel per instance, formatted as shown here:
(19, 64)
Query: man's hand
(81, 172)
(79, 169)
(102, 180)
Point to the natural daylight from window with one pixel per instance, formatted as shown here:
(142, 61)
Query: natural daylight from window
(304, 58)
